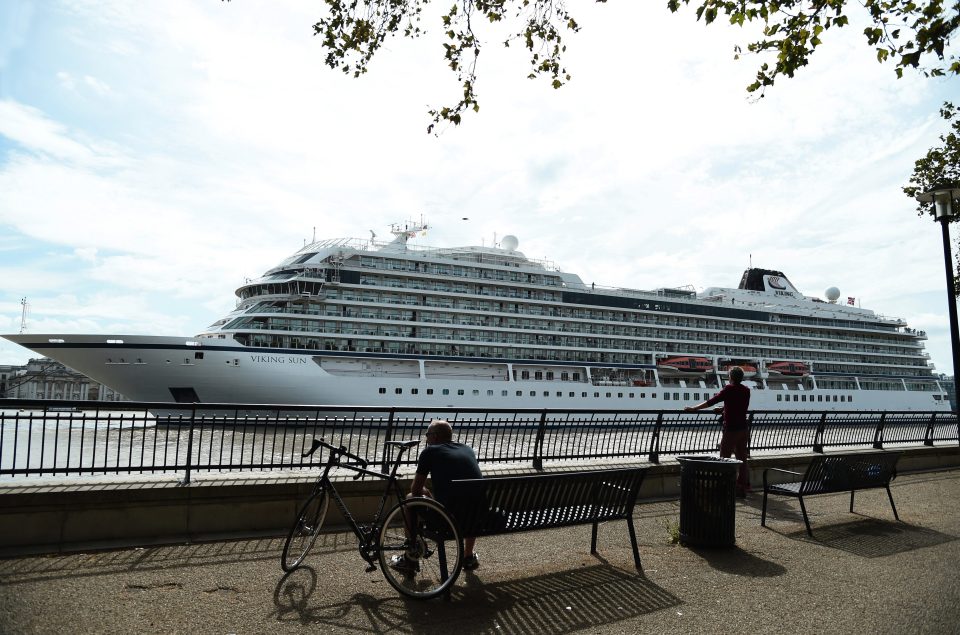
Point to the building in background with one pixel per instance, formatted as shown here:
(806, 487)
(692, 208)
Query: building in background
(949, 384)
(45, 378)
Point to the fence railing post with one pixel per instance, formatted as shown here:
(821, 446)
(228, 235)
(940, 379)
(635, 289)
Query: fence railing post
(189, 466)
(928, 433)
(878, 433)
(538, 444)
(654, 456)
(818, 438)
(387, 437)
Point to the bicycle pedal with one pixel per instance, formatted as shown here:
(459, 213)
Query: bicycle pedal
(371, 568)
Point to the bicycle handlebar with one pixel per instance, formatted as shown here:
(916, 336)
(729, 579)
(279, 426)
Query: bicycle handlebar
(335, 452)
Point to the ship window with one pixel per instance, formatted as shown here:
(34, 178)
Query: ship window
(631, 395)
(476, 392)
(538, 375)
(666, 396)
(382, 391)
(849, 398)
(533, 393)
(779, 397)
(676, 396)
(549, 374)
(446, 391)
(460, 391)
(503, 393)
(559, 394)
(546, 393)
(414, 391)
(564, 376)
(843, 397)
(803, 397)
(686, 396)
(576, 377)
(796, 397)
(583, 394)
(620, 395)
(198, 355)
(429, 391)
(525, 374)
(489, 393)
(596, 394)
(519, 393)
(398, 391)
(653, 395)
(834, 397)
(819, 397)
(573, 394)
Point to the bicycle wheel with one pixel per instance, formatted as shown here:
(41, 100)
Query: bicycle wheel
(434, 550)
(304, 531)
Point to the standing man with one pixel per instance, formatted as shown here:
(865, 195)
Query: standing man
(736, 431)
(444, 461)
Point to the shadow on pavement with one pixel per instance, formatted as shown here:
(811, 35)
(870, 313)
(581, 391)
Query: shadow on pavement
(736, 561)
(105, 562)
(560, 602)
(875, 538)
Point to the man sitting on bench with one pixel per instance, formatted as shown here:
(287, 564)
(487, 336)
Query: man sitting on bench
(443, 461)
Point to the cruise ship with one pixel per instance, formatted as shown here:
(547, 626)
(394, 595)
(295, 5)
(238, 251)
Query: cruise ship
(391, 323)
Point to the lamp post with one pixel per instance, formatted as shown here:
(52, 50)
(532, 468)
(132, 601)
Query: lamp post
(942, 197)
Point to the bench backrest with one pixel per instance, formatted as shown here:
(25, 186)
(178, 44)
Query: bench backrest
(518, 503)
(844, 472)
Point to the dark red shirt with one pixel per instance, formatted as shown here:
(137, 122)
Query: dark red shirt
(736, 401)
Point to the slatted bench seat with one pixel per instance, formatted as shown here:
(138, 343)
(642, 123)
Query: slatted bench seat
(502, 505)
(835, 473)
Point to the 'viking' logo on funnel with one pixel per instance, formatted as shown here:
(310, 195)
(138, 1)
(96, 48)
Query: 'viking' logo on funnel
(774, 281)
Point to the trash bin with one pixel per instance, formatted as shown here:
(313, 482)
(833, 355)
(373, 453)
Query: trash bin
(708, 500)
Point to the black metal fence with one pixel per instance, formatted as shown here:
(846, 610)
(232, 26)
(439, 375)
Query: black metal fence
(66, 438)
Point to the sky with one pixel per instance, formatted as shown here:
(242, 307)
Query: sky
(154, 155)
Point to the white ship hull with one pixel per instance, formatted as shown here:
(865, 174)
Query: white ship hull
(150, 368)
(362, 323)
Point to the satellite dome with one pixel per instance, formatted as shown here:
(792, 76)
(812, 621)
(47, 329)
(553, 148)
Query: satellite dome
(832, 294)
(510, 243)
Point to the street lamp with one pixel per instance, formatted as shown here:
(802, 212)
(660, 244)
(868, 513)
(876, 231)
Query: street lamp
(942, 197)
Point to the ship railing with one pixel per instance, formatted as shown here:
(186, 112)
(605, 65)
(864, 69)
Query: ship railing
(81, 438)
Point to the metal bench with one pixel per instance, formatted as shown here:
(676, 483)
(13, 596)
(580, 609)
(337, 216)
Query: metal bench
(832, 474)
(502, 505)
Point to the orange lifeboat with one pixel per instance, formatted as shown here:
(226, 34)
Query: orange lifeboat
(793, 369)
(685, 364)
(749, 370)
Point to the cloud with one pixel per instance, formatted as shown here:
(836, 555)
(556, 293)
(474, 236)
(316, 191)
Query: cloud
(165, 154)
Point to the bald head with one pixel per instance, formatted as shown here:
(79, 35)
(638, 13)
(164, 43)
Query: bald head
(440, 431)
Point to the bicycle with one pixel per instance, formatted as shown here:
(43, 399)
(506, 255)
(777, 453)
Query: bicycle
(415, 527)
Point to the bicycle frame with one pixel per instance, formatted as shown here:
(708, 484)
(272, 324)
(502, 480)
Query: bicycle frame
(366, 533)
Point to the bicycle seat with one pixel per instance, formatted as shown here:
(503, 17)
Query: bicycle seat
(404, 444)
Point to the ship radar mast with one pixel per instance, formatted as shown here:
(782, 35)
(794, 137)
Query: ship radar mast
(403, 232)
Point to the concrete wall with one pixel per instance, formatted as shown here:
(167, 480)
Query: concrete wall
(47, 516)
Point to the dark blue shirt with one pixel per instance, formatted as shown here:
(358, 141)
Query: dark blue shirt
(445, 462)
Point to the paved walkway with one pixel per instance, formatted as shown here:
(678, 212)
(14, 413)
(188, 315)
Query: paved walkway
(861, 573)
